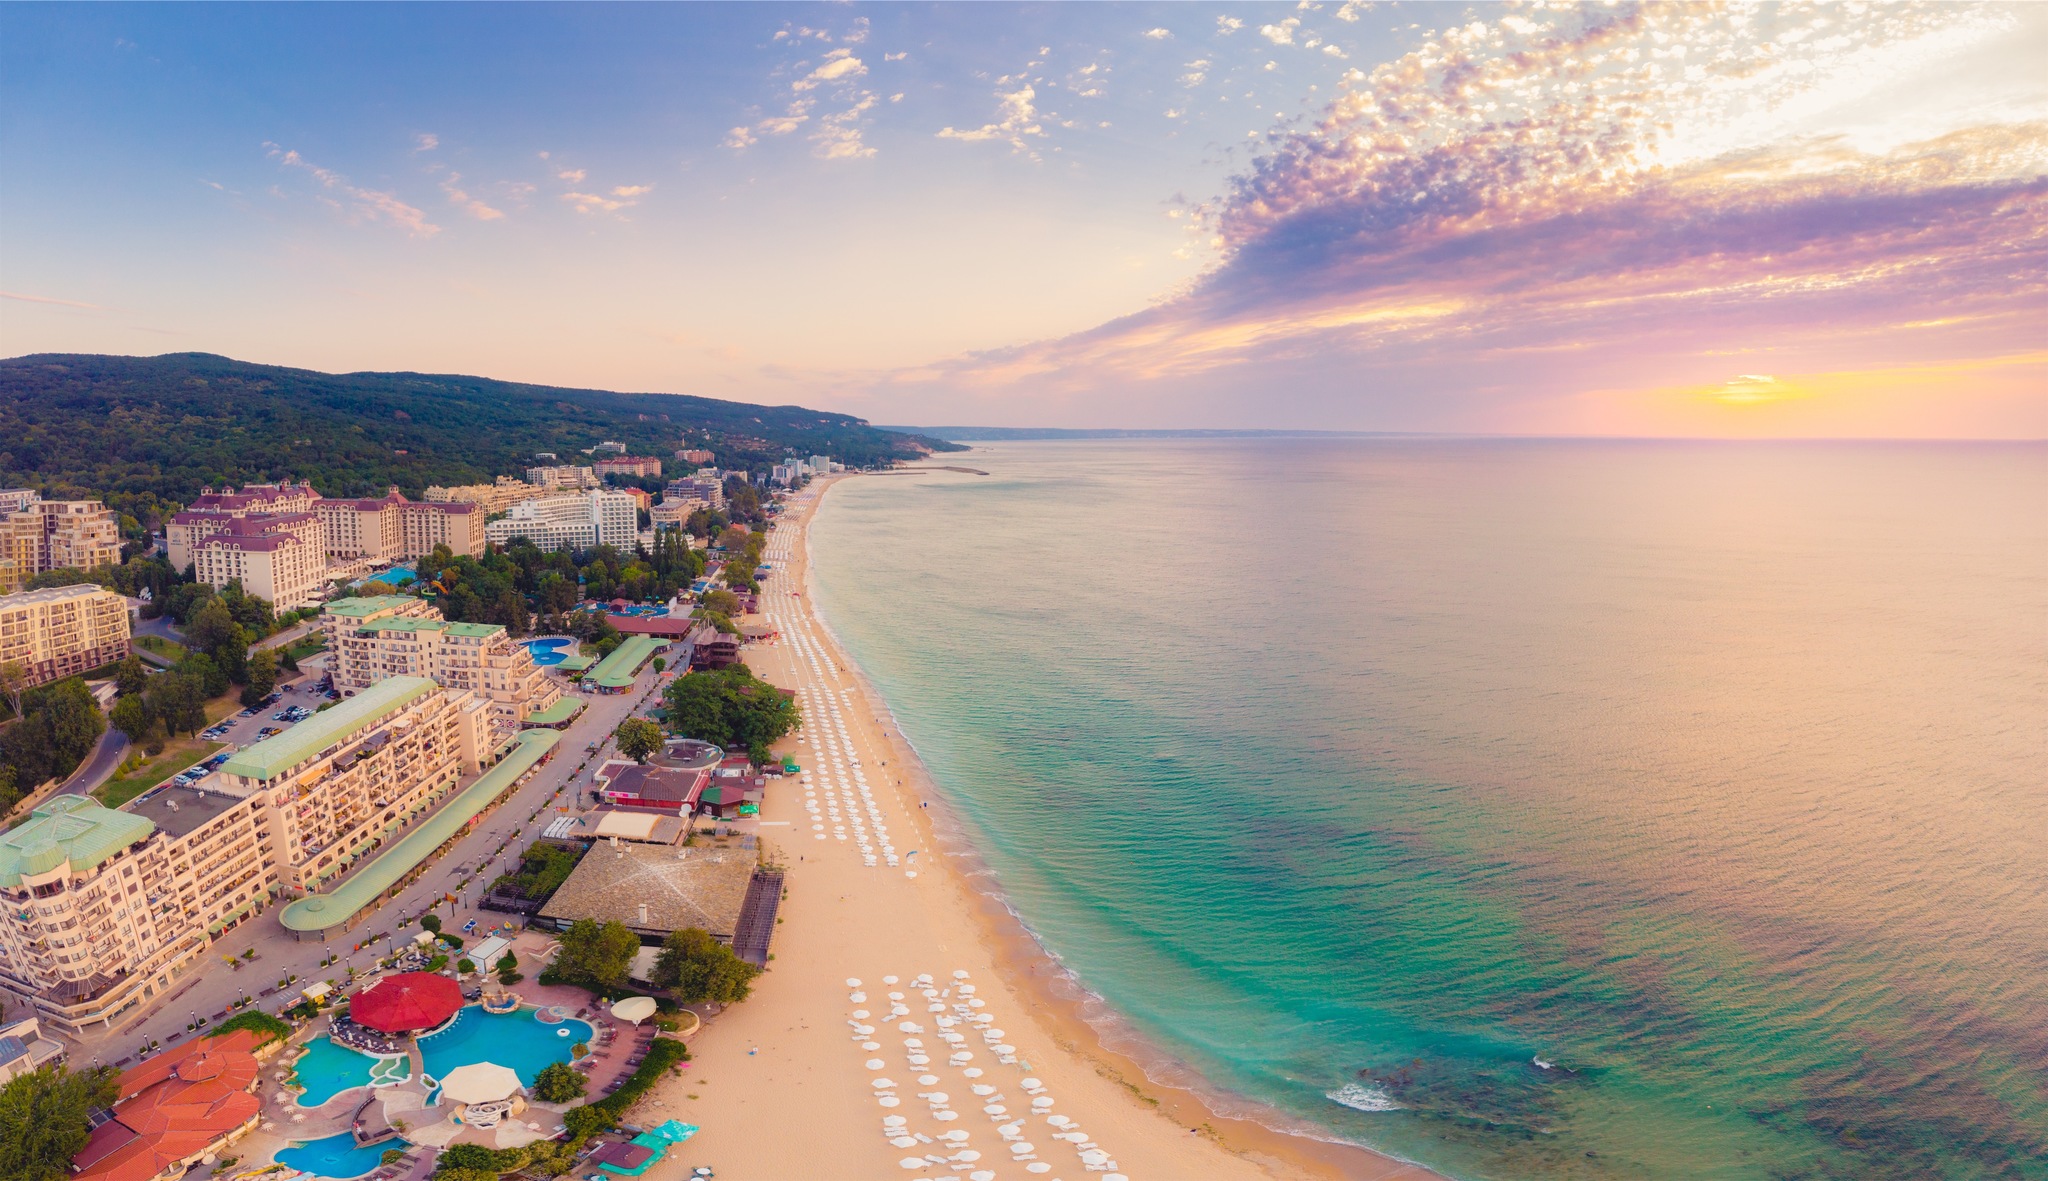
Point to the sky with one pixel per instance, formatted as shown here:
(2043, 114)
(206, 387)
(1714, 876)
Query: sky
(1525, 219)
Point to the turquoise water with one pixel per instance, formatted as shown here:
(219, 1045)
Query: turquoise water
(326, 1070)
(1360, 775)
(547, 653)
(514, 1040)
(336, 1156)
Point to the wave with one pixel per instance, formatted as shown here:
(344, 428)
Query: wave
(1360, 1097)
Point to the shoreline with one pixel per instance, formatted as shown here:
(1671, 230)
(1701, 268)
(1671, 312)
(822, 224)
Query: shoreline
(1081, 1023)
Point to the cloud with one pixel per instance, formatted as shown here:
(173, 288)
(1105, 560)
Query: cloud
(1226, 25)
(457, 197)
(895, 57)
(1282, 33)
(1577, 198)
(426, 141)
(574, 176)
(1156, 34)
(364, 204)
(1016, 120)
(836, 133)
(62, 303)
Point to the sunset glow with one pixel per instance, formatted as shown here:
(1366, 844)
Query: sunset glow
(1528, 219)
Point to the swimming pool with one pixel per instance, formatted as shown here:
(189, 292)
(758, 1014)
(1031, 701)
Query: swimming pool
(640, 611)
(548, 653)
(326, 1070)
(515, 1040)
(336, 1156)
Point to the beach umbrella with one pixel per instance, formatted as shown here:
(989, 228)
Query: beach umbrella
(1094, 1156)
(480, 1083)
(854, 981)
(883, 1084)
(1038, 1166)
(956, 1135)
(982, 1175)
(876, 1064)
(894, 1121)
(959, 973)
(938, 1097)
(945, 1115)
(967, 1155)
(1059, 1121)
(634, 1009)
(913, 1162)
(904, 1141)
(927, 1079)
(1021, 1147)
(994, 1109)
(889, 1101)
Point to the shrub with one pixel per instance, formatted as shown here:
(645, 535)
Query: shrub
(437, 963)
(431, 922)
(263, 1025)
(557, 1083)
(662, 1053)
(392, 1156)
(465, 965)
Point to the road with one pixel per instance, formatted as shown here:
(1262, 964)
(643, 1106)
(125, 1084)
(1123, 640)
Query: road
(106, 755)
(210, 986)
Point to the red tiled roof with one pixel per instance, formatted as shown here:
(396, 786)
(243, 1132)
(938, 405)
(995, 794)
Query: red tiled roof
(651, 625)
(177, 1105)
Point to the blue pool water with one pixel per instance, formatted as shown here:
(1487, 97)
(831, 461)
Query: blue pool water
(641, 610)
(327, 1070)
(336, 1156)
(398, 575)
(514, 1040)
(548, 653)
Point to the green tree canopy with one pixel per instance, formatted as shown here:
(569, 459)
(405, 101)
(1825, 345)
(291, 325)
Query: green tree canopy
(696, 968)
(596, 953)
(557, 1082)
(730, 707)
(45, 1120)
(262, 676)
(638, 738)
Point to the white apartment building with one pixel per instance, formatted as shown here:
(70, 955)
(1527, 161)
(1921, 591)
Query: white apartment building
(571, 521)
(674, 513)
(282, 557)
(563, 477)
(62, 631)
(372, 638)
(101, 908)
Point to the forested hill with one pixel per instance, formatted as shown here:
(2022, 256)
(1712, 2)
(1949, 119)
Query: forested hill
(173, 424)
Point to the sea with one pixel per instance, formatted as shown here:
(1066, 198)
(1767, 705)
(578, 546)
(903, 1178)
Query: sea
(1526, 809)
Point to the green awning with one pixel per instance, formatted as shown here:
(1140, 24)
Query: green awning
(554, 715)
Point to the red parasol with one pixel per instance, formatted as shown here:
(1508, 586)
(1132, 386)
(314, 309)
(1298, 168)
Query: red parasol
(406, 1003)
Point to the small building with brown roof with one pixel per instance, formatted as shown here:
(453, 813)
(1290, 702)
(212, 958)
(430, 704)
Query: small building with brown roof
(174, 1109)
(655, 889)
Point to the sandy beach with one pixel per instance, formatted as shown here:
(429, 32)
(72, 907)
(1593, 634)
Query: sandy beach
(955, 1054)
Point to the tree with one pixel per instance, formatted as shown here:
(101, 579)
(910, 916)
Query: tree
(720, 600)
(45, 1119)
(638, 738)
(696, 968)
(131, 716)
(13, 679)
(594, 953)
(262, 676)
(730, 706)
(431, 922)
(557, 1083)
(131, 676)
(213, 629)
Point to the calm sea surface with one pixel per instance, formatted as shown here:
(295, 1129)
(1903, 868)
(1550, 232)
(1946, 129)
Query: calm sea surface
(1361, 775)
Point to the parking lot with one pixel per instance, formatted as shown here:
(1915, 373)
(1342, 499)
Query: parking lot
(283, 709)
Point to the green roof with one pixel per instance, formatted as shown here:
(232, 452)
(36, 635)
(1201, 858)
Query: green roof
(369, 604)
(616, 671)
(575, 662)
(561, 711)
(274, 756)
(68, 828)
(318, 912)
(413, 623)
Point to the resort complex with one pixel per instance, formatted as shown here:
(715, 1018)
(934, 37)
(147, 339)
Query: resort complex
(571, 521)
(38, 535)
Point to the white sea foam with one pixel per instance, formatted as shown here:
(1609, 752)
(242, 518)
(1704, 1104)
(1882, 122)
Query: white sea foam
(1360, 1097)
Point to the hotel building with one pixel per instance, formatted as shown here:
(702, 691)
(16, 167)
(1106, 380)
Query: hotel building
(571, 521)
(42, 535)
(563, 477)
(370, 639)
(393, 527)
(103, 908)
(211, 512)
(628, 465)
(491, 498)
(61, 631)
(279, 557)
(704, 488)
